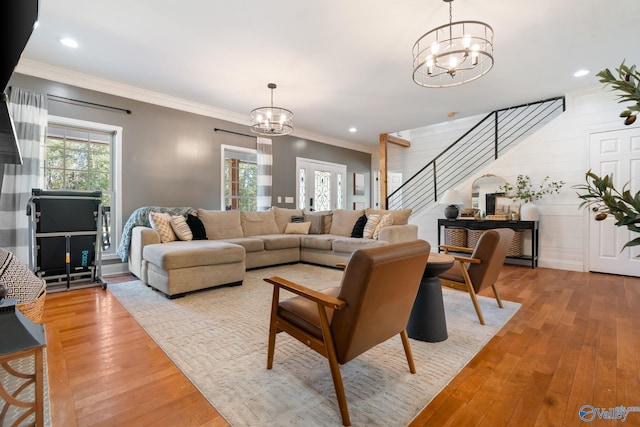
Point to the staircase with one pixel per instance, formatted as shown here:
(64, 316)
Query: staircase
(485, 142)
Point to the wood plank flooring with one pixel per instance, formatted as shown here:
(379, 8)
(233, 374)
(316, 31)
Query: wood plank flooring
(575, 342)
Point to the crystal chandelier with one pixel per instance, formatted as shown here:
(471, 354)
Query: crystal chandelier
(271, 121)
(453, 54)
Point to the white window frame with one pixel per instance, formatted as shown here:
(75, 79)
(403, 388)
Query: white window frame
(116, 174)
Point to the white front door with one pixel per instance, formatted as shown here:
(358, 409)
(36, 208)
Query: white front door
(321, 186)
(618, 153)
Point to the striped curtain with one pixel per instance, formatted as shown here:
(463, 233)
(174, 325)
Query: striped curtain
(29, 113)
(265, 160)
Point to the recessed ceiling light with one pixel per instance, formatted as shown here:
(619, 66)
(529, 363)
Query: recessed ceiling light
(353, 130)
(69, 42)
(580, 73)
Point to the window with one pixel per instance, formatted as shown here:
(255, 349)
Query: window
(240, 180)
(84, 156)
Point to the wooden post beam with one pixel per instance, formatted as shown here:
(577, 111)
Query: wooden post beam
(385, 139)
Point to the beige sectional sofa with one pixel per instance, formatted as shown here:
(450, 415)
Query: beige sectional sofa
(237, 241)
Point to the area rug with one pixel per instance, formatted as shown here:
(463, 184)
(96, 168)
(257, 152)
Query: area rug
(218, 338)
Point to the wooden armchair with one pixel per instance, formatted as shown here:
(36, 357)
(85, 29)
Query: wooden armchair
(372, 304)
(481, 269)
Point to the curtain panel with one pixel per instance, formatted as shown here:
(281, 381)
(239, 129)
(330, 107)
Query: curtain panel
(265, 162)
(28, 111)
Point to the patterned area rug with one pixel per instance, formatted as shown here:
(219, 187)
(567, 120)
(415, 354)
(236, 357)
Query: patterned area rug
(218, 338)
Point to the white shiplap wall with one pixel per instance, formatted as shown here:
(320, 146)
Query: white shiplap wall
(560, 150)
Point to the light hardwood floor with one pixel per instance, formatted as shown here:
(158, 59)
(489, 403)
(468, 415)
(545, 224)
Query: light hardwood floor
(574, 342)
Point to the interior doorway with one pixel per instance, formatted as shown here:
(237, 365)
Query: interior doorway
(618, 153)
(320, 186)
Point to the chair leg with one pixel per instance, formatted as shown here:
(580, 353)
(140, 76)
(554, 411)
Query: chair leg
(407, 351)
(495, 292)
(273, 328)
(334, 366)
(472, 293)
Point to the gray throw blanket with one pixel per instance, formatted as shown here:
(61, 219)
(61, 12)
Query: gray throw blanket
(140, 217)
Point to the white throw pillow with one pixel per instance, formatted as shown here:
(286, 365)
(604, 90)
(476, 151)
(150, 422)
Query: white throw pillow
(385, 221)
(161, 222)
(370, 227)
(297, 228)
(181, 228)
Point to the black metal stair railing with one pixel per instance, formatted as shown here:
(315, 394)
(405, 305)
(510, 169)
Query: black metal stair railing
(485, 142)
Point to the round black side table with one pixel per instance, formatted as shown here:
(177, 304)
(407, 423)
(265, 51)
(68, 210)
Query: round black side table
(427, 321)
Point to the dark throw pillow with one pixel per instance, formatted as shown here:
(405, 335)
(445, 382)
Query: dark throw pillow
(296, 218)
(197, 228)
(358, 229)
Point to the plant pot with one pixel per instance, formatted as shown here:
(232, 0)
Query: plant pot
(529, 212)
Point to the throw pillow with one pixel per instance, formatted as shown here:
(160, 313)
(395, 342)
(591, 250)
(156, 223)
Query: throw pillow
(297, 228)
(400, 216)
(197, 228)
(161, 222)
(297, 218)
(181, 228)
(317, 223)
(358, 229)
(370, 226)
(385, 221)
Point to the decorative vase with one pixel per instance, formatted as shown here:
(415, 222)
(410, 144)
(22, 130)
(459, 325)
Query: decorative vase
(529, 212)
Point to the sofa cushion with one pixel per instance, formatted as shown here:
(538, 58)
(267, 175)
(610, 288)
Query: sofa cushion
(348, 245)
(197, 228)
(181, 228)
(280, 241)
(169, 256)
(283, 216)
(317, 241)
(161, 222)
(221, 224)
(250, 244)
(343, 221)
(400, 216)
(297, 228)
(258, 223)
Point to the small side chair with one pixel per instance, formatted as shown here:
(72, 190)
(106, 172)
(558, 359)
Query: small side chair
(371, 305)
(481, 269)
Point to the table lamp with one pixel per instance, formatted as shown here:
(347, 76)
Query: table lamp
(452, 198)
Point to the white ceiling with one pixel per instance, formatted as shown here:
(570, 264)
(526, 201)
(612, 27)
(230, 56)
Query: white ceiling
(337, 64)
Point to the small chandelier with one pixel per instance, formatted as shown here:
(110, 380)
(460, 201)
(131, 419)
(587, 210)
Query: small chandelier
(453, 54)
(271, 121)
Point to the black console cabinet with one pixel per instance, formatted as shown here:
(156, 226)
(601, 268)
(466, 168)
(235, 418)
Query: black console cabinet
(490, 224)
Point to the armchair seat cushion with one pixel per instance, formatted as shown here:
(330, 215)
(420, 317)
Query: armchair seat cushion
(454, 273)
(303, 312)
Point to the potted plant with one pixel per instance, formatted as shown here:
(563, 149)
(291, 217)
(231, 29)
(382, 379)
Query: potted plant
(525, 192)
(606, 200)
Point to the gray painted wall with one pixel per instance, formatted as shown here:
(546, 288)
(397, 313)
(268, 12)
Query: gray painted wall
(172, 158)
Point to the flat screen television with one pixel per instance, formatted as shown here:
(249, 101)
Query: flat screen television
(18, 21)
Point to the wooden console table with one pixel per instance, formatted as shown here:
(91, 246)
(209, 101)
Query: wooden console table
(481, 224)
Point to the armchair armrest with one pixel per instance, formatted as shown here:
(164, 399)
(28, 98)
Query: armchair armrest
(448, 248)
(463, 259)
(303, 291)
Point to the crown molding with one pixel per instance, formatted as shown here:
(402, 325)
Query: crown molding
(87, 81)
